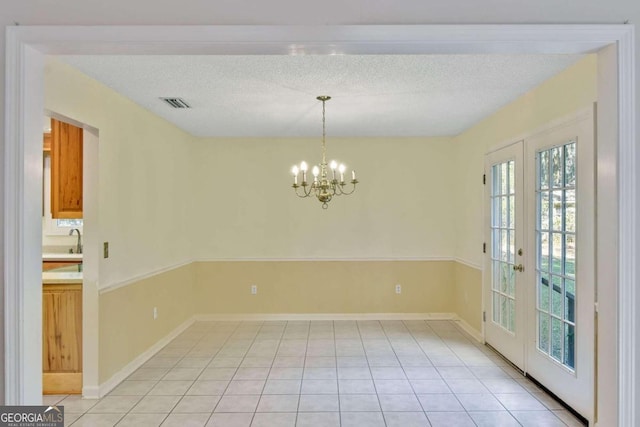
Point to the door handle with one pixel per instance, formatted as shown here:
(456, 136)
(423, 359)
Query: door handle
(519, 268)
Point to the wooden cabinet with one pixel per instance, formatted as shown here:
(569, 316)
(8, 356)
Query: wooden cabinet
(62, 338)
(66, 170)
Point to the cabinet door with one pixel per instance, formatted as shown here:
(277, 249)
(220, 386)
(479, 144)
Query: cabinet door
(66, 170)
(62, 339)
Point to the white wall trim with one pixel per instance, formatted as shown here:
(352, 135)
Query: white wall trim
(469, 263)
(237, 317)
(135, 279)
(131, 367)
(347, 259)
(475, 334)
(628, 234)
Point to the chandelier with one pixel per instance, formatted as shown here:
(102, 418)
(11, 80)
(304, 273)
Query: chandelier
(323, 187)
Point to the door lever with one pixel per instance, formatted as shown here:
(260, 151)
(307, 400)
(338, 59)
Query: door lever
(519, 268)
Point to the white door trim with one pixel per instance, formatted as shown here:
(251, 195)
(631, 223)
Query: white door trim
(26, 45)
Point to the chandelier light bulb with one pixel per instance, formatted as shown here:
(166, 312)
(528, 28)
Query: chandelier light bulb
(342, 168)
(316, 171)
(333, 165)
(303, 166)
(295, 170)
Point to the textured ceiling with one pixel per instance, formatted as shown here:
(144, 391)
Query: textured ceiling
(372, 95)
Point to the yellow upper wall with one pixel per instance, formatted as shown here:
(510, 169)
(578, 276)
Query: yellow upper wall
(144, 181)
(563, 94)
(401, 209)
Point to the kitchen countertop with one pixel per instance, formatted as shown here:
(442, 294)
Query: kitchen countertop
(56, 277)
(52, 256)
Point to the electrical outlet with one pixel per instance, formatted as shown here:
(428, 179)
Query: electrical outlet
(254, 289)
(398, 288)
(155, 313)
(105, 250)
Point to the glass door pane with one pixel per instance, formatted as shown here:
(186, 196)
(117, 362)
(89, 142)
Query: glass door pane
(556, 252)
(503, 244)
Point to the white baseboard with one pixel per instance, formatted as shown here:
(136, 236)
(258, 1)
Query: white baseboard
(475, 334)
(130, 368)
(323, 316)
(92, 392)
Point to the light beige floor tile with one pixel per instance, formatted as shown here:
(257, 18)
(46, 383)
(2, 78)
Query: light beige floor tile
(230, 420)
(319, 387)
(318, 419)
(182, 374)
(196, 404)
(449, 419)
(440, 403)
(319, 403)
(319, 374)
(142, 420)
(359, 403)
(218, 374)
(246, 403)
(480, 402)
(115, 404)
(359, 419)
(354, 373)
(70, 418)
(399, 403)
(274, 419)
(406, 419)
(537, 419)
(278, 403)
(171, 388)
(156, 404)
(520, 402)
(245, 387)
(254, 373)
(356, 387)
(186, 420)
(148, 374)
(282, 387)
(393, 386)
(494, 419)
(208, 388)
(52, 399)
(285, 374)
(133, 388)
(98, 420)
(76, 404)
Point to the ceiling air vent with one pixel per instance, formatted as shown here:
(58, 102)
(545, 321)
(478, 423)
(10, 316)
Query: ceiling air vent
(176, 102)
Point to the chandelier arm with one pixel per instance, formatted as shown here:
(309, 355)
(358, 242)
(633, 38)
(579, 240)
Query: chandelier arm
(346, 193)
(305, 193)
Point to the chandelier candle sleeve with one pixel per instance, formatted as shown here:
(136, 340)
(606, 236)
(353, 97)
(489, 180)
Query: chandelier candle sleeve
(323, 188)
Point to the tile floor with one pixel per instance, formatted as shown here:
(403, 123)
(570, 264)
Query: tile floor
(321, 374)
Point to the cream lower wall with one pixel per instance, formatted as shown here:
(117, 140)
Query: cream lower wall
(127, 328)
(468, 294)
(324, 287)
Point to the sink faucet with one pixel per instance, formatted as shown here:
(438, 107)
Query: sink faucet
(79, 244)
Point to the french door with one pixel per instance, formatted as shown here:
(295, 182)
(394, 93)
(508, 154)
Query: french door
(504, 288)
(549, 289)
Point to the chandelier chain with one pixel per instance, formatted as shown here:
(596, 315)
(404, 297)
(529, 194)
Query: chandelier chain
(324, 134)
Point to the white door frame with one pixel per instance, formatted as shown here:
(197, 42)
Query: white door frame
(25, 51)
